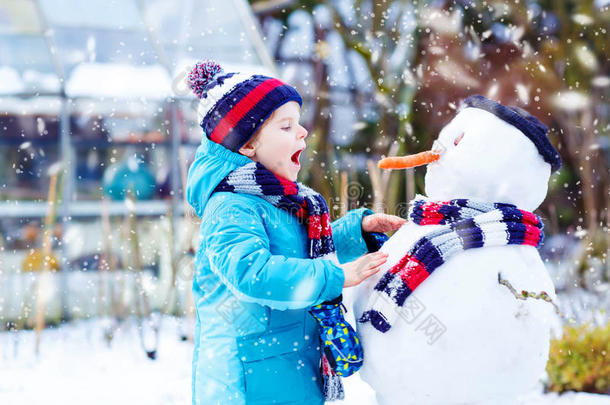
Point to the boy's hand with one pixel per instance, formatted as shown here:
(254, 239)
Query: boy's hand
(381, 223)
(362, 268)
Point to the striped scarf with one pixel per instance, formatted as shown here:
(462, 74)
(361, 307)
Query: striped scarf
(296, 198)
(311, 209)
(464, 224)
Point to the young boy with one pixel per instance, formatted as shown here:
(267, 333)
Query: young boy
(268, 252)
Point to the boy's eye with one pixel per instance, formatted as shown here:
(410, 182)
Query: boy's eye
(286, 128)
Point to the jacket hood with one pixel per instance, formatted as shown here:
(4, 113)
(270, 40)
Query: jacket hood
(212, 164)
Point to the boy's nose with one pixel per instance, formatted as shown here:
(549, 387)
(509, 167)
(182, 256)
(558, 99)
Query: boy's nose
(303, 132)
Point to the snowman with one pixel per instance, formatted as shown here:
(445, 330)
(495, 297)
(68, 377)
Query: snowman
(461, 312)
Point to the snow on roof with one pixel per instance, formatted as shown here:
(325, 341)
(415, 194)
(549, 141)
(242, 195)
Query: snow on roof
(119, 80)
(29, 81)
(35, 105)
(10, 81)
(117, 107)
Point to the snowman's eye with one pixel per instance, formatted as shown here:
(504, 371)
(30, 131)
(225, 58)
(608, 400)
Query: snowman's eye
(458, 139)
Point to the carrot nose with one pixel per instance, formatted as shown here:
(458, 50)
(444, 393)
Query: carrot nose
(405, 162)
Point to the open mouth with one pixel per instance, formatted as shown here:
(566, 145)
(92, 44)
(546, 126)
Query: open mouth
(295, 157)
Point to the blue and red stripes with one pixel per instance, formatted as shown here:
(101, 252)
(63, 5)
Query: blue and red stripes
(238, 114)
(523, 227)
(464, 224)
(295, 198)
(233, 105)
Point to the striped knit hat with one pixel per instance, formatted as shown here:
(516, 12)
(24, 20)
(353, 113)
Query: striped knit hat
(233, 105)
(529, 125)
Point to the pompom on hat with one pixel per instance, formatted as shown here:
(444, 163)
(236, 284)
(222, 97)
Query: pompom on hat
(529, 125)
(233, 105)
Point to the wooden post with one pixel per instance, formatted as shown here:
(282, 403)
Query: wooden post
(43, 277)
(141, 297)
(344, 194)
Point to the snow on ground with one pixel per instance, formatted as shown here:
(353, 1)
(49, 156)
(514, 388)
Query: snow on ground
(357, 392)
(76, 366)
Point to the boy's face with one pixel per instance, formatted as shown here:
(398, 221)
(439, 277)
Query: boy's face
(279, 141)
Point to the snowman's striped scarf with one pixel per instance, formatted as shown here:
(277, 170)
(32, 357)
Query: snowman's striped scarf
(464, 224)
(296, 198)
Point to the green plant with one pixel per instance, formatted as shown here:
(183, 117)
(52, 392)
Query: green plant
(580, 360)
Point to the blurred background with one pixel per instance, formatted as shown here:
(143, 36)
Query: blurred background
(97, 132)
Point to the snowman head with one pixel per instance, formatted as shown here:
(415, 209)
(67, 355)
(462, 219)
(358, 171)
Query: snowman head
(493, 153)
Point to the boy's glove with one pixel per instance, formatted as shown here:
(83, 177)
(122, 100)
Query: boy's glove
(340, 341)
(342, 351)
(374, 240)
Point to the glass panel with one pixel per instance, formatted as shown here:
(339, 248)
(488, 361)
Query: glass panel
(106, 14)
(76, 45)
(24, 52)
(117, 141)
(19, 17)
(29, 145)
(24, 168)
(26, 66)
(111, 169)
(188, 122)
(191, 30)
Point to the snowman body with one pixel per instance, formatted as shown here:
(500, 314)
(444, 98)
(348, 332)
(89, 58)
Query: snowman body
(462, 337)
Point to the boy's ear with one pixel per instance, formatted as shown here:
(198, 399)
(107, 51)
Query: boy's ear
(248, 149)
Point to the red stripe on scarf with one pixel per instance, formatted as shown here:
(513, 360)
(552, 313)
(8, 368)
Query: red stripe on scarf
(399, 266)
(290, 187)
(532, 233)
(431, 215)
(528, 217)
(314, 228)
(326, 368)
(326, 229)
(319, 225)
(241, 109)
(413, 273)
(302, 212)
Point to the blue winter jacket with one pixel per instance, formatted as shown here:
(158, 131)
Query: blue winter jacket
(255, 342)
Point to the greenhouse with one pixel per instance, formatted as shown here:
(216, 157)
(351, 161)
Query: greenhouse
(101, 89)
